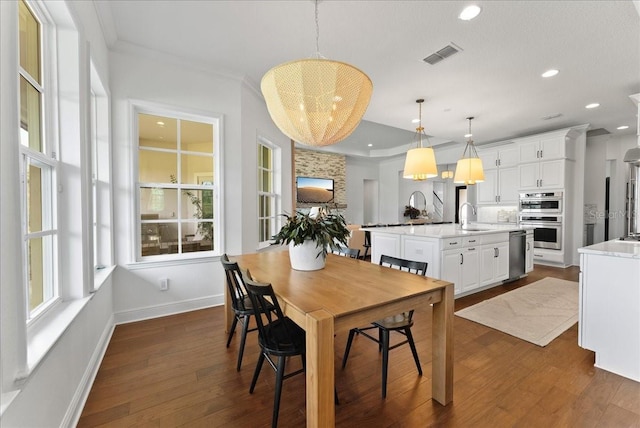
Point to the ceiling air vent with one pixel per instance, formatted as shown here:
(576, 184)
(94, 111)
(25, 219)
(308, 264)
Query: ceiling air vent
(443, 53)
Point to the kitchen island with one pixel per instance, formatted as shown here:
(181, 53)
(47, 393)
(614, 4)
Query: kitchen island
(609, 318)
(474, 259)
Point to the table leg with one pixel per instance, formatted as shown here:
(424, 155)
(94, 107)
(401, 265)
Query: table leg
(442, 368)
(320, 371)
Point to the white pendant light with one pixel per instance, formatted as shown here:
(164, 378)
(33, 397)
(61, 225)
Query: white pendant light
(469, 168)
(420, 163)
(316, 101)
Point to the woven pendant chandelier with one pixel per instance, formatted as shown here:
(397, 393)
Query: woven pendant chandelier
(316, 101)
(420, 163)
(469, 168)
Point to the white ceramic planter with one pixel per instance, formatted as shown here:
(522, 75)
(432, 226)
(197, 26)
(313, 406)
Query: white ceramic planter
(303, 256)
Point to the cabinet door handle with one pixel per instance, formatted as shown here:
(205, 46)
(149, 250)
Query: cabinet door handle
(528, 248)
(495, 252)
(461, 258)
(499, 162)
(472, 249)
(540, 183)
(541, 154)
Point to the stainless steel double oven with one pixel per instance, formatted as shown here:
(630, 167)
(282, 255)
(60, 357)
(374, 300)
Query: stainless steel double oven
(543, 212)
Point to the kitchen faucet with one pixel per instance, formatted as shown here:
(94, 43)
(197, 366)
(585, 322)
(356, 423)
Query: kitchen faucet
(461, 209)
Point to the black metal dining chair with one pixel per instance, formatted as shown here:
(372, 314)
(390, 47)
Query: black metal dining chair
(367, 244)
(278, 337)
(400, 323)
(241, 304)
(353, 253)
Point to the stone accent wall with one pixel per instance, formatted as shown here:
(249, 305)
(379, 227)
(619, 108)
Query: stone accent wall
(310, 163)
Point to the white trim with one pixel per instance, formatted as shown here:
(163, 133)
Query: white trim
(74, 410)
(156, 311)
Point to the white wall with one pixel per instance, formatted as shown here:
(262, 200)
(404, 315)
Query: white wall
(359, 170)
(604, 157)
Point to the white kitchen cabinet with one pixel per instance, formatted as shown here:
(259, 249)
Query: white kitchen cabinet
(461, 266)
(547, 148)
(422, 250)
(500, 186)
(528, 267)
(384, 243)
(541, 175)
(494, 266)
(503, 156)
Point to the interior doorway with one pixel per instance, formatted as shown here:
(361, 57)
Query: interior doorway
(461, 198)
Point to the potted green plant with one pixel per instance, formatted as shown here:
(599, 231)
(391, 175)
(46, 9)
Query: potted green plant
(310, 236)
(411, 212)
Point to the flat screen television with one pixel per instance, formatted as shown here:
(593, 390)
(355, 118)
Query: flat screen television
(312, 190)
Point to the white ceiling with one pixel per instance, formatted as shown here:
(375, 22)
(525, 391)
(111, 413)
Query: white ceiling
(496, 76)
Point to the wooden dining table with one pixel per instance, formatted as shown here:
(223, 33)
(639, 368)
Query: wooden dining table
(350, 293)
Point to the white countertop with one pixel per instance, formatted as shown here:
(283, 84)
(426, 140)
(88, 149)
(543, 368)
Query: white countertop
(614, 248)
(446, 230)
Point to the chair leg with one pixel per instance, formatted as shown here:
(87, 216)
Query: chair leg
(385, 359)
(352, 333)
(243, 339)
(256, 373)
(232, 330)
(276, 401)
(413, 349)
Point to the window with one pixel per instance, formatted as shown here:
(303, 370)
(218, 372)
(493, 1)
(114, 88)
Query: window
(100, 174)
(177, 184)
(37, 170)
(267, 192)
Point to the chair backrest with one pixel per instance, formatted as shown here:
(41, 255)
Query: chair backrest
(419, 268)
(235, 285)
(367, 238)
(274, 334)
(353, 253)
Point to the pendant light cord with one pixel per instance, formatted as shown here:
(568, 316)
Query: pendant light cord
(317, 32)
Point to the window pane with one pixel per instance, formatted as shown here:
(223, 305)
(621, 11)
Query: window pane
(36, 272)
(34, 199)
(266, 181)
(266, 158)
(29, 42)
(158, 203)
(196, 137)
(157, 131)
(30, 125)
(197, 169)
(156, 167)
(197, 204)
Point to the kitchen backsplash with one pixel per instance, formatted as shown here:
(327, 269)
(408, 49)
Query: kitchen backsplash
(499, 214)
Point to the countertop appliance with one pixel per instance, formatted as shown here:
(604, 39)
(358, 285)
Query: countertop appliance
(517, 252)
(541, 202)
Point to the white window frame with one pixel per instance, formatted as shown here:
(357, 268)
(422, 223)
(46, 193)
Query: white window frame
(142, 107)
(101, 186)
(276, 186)
(47, 161)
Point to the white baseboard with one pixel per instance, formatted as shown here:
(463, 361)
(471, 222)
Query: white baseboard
(72, 416)
(157, 311)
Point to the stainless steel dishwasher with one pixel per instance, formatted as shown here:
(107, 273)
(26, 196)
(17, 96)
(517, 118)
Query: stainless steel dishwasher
(517, 250)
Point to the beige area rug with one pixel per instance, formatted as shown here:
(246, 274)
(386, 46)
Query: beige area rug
(538, 312)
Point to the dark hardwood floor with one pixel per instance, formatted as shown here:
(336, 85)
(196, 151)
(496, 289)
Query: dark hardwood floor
(176, 371)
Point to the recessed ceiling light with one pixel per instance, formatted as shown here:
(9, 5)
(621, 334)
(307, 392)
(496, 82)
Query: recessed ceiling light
(622, 127)
(469, 12)
(369, 145)
(415, 121)
(592, 105)
(550, 73)
(160, 123)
